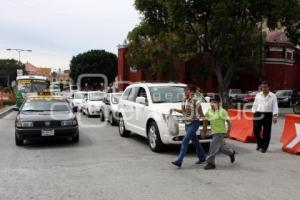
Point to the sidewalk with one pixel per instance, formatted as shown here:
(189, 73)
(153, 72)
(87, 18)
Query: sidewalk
(5, 110)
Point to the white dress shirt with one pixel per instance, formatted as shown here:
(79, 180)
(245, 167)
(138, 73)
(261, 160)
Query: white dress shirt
(264, 103)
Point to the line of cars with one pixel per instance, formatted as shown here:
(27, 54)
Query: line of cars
(97, 103)
(142, 109)
(286, 98)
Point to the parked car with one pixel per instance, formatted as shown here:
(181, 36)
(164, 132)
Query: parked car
(54, 88)
(144, 109)
(287, 97)
(77, 100)
(235, 95)
(239, 98)
(250, 97)
(109, 110)
(92, 102)
(296, 107)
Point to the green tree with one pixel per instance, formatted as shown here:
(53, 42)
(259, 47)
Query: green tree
(8, 70)
(226, 33)
(94, 62)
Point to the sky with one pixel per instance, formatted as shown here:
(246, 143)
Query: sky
(56, 30)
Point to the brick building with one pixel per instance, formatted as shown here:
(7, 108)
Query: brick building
(42, 71)
(281, 68)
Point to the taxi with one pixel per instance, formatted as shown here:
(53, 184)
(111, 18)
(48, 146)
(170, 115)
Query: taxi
(45, 117)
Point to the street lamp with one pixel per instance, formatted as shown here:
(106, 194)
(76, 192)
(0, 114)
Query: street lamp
(19, 52)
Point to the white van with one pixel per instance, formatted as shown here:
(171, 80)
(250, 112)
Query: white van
(144, 107)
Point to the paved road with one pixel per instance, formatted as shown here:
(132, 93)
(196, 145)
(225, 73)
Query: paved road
(105, 166)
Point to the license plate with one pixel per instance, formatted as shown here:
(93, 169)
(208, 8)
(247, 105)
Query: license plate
(47, 133)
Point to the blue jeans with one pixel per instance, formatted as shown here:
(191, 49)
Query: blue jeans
(191, 134)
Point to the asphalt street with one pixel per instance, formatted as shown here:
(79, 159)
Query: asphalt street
(104, 166)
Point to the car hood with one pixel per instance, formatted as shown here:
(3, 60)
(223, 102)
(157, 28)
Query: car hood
(95, 103)
(164, 108)
(114, 107)
(281, 96)
(77, 101)
(42, 116)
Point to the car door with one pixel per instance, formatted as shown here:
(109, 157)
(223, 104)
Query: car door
(141, 112)
(105, 105)
(84, 103)
(129, 108)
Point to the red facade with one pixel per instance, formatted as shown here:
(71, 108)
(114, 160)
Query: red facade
(281, 68)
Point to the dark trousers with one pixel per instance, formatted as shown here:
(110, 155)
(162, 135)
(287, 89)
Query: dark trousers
(262, 128)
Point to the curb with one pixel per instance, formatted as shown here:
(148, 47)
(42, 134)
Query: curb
(4, 113)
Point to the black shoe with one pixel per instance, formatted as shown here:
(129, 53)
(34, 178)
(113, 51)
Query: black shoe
(263, 150)
(258, 148)
(177, 163)
(200, 162)
(210, 166)
(232, 157)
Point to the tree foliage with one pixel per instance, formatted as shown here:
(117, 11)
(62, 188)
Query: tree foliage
(226, 33)
(8, 70)
(94, 62)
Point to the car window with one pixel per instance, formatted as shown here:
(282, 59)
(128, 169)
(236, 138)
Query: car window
(126, 94)
(282, 93)
(167, 94)
(142, 93)
(42, 105)
(79, 95)
(115, 98)
(235, 91)
(133, 94)
(74, 87)
(96, 96)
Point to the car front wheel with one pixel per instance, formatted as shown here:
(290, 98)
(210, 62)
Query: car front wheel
(19, 141)
(88, 113)
(75, 139)
(112, 120)
(154, 139)
(102, 117)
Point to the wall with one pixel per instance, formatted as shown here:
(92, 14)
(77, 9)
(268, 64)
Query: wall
(282, 74)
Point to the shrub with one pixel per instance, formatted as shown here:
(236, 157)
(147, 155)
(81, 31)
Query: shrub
(9, 102)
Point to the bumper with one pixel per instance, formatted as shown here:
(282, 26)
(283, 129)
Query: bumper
(169, 139)
(36, 133)
(94, 110)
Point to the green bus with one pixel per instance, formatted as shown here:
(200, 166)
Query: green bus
(30, 85)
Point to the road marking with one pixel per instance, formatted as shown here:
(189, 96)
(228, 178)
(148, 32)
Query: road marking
(296, 140)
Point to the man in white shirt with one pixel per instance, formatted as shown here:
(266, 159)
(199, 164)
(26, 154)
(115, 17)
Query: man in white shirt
(265, 109)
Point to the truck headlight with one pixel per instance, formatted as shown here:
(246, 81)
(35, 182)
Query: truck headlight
(69, 123)
(24, 124)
